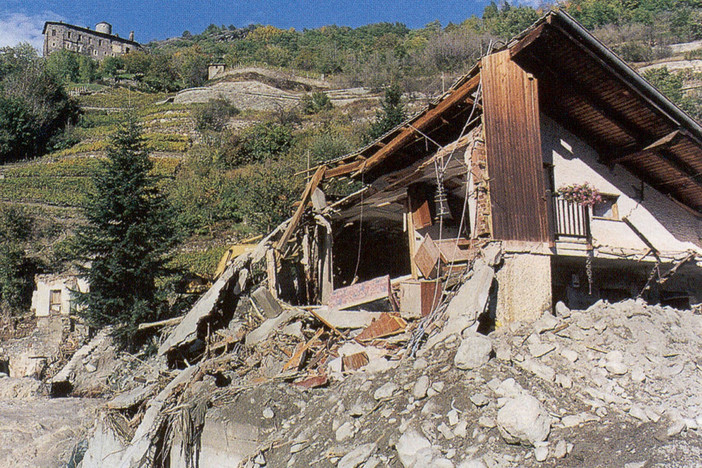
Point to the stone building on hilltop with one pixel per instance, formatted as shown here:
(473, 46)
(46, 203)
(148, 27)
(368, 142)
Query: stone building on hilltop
(96, 44)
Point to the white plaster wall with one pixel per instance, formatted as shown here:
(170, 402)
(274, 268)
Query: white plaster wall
(668, 226)
(42, 294)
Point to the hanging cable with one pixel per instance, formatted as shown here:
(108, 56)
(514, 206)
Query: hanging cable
(360, 234)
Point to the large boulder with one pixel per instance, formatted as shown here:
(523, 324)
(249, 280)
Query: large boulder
(523, 420)
(473, 352)
(412, 448)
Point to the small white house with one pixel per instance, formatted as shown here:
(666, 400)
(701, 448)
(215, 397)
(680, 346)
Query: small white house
(53, 294)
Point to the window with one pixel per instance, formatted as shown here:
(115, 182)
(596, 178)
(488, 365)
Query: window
(127, 49)
(53, 32)
(55, 301)
(80, 37)
(607, 208)
(99, 41)
(69, 34)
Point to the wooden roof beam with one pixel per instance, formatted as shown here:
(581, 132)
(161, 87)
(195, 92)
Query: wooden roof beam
(603, 63)
(638, 150)
(306, 195)
(421, 123)
(343, 169)
(527, 40)
(680, 165)
(572, 85)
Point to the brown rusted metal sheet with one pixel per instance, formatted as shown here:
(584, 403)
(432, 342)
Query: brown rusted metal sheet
(513, 145)
(386, 325)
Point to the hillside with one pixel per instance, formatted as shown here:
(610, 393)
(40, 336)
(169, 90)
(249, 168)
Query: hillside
(373, 327)
(53, 188)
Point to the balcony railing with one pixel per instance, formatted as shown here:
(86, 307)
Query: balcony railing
(570, 219)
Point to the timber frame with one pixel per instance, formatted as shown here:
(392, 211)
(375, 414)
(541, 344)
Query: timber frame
(476, 155)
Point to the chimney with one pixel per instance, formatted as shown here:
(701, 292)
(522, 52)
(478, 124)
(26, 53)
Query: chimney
(131, 36)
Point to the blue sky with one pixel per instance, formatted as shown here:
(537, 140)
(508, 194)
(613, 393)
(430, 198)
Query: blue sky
(22, 20)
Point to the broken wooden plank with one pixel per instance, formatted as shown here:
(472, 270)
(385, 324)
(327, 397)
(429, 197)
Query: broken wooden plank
(313, 382)
(160, 323)
(386, 325)
(360, 293)
(299, 354)
(354, 362)
(306, 195)
(427, 257)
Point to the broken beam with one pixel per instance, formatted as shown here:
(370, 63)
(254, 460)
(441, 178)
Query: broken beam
(161, 323)
(343, 169)
(456, 97)
(296, 359)
(306, 195)
(643, 238)
(666, 276)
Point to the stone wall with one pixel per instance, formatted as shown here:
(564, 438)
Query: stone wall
(523, 287)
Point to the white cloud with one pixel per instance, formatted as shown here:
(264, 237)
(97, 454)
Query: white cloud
(19, 27)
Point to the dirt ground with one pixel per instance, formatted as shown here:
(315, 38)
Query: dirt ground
(43, 432)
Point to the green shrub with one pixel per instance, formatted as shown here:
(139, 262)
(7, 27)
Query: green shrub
(266, 193)
(315, 103)
(262, 142)
(213, 115)
(16, 269)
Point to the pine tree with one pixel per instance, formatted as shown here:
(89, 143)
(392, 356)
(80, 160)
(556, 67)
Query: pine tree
(125, 242)
(390, 115)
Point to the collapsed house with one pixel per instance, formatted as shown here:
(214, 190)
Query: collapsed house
(499, 158)
(492, 159)
(465, 221)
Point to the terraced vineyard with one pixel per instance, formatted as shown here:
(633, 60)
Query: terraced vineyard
(63, 178)
(55, 187)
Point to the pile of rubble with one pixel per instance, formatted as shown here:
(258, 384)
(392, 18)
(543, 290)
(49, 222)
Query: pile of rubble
(557, 391)
(291, 386)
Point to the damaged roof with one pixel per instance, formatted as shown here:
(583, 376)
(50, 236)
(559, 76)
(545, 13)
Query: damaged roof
(586, 88)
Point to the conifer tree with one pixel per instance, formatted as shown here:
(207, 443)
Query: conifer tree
(125, 242)
(390, 115)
